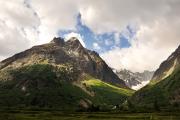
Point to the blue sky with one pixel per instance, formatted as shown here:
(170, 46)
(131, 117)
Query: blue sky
(105, 41)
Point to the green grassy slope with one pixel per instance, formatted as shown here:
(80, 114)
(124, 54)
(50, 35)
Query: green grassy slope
(49, 86)
(40, 85)
(162, 95)
(107, 94)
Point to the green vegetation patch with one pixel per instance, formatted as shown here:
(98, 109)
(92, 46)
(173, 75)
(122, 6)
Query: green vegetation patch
(106, 93)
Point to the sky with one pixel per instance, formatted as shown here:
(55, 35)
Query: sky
(128, 34)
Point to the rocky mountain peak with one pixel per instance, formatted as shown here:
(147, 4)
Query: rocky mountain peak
(59, 53)
(73, 39)
(58, 40)
(74, 43)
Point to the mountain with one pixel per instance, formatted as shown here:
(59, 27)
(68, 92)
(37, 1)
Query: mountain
(62, 75)
(135, 80)
(168, 66)
(60, 52)
(163, 92)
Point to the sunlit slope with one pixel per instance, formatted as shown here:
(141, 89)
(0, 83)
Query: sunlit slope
(106, 93)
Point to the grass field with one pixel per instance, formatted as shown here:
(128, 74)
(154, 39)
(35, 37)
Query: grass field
(56, 115)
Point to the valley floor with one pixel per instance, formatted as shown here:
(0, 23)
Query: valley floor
(56, 115)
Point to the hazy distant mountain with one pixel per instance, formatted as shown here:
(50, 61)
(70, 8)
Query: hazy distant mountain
(60, 74)
(135, 80)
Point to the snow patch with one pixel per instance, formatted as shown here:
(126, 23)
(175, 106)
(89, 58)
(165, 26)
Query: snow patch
(139, 86)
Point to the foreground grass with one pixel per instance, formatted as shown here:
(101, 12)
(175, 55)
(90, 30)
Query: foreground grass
(55, 115)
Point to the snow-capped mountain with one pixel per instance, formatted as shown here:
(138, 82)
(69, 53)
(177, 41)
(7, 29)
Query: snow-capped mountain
(135, 80)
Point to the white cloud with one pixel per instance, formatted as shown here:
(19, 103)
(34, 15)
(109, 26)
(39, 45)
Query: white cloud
(24, 23)
(17, 24)
(157, 24)
(55, 15)
(105, 15)
(96, 46)
(78, 36)
(136, 58)
(151, 45)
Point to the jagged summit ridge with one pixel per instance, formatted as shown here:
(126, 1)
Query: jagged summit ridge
(62, 41)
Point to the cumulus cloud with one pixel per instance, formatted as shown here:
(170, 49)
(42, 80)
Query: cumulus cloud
(150, 46)
(116, 15)
(24, 23)
(136, 58)
(16, 27)
(157, 30)
(55, 15)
